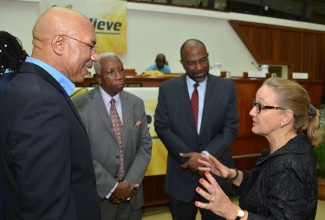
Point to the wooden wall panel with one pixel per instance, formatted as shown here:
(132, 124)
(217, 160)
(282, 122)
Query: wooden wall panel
(302, 50)
(293, 49)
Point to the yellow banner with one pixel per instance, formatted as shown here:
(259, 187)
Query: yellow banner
(158, 162)
(107, 16)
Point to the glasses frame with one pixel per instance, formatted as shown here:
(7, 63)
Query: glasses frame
(92, 47)
(259, 107)
(192, 64)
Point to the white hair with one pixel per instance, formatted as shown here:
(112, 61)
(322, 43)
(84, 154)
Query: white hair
(97, 65)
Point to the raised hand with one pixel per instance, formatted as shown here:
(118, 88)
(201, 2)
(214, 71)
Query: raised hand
(211, 164)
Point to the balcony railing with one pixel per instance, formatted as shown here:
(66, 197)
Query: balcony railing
(312, 11)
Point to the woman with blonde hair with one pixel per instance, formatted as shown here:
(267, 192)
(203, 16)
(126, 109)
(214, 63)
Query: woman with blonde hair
(283, 182)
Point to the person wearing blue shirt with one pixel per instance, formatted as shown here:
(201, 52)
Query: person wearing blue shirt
(45, 155)
(160, 64)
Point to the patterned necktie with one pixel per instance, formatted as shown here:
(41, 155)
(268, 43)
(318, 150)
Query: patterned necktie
(195, 103)
(117, 126)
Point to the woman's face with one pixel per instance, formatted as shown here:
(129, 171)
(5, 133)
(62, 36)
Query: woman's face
(268, 121)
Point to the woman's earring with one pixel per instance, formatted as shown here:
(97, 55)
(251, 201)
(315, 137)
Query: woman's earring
(281, 125)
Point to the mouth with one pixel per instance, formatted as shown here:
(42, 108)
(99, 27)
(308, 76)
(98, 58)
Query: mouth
(201, 74)
(87, 68)
(119, 85)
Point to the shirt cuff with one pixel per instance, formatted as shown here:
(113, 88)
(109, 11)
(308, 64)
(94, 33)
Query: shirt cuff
(205, 152)
(110, 193)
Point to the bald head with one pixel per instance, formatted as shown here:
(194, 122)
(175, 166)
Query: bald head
(65, 39)
(191, 43)
(160, 56)
(160, 60)
(57, 21)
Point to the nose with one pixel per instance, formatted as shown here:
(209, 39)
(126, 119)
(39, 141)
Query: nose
(253, 112)
(198, 65)
(94, 57)
(118, 75)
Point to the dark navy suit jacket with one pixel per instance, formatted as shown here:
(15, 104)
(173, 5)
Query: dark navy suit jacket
(175, 126)
(44, 151)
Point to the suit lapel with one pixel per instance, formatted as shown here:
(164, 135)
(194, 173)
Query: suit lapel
(32, 68)
(100, 107)
(208, 101)
(126, 113)
(185, 101)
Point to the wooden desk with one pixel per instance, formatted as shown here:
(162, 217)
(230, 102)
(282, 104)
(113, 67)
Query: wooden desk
(133, 81)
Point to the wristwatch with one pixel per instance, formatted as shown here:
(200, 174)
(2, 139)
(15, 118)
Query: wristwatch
(240, 214)
(231, 180)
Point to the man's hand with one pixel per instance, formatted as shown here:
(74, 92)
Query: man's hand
(193, 161)
(123, 192)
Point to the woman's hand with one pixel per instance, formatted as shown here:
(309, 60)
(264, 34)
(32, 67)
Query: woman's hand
(211, 164)
(219, 203)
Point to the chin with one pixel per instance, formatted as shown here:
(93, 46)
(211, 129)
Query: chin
(78, 80)
(254, 131)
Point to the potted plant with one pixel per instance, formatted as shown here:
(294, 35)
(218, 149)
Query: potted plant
(320, 163)
(320, 159)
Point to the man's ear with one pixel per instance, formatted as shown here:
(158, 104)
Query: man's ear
(58, 45)
(98, 78)
(181, 61)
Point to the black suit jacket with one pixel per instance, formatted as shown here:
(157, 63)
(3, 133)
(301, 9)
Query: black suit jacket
(45, 153)
(175, 126)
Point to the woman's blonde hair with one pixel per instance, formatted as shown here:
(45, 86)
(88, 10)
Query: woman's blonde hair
(293, 96)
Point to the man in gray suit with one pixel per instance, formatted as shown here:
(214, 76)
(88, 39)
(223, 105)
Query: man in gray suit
(113, 154)
(186, 136)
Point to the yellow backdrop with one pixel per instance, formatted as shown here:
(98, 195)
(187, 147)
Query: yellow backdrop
(107, 16)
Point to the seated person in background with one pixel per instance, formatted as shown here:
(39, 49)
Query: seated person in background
(161, 64)
(283, 183)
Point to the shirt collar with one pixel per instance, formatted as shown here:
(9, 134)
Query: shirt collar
(107, 98)
(67, 85)
(190, 82)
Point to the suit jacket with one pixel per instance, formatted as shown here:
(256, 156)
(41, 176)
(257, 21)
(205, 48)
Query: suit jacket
(136, 141)
(45, 152)
(175, 126)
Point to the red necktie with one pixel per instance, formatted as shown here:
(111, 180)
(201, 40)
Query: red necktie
(117, 126)
(195, 103)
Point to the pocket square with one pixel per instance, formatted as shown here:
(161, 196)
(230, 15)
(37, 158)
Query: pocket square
(138, 124)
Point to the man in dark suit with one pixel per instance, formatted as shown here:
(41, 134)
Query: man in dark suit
(44, 149)
(121, 195)
(186, 135)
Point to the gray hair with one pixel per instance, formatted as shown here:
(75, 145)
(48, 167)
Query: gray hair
(97, 65)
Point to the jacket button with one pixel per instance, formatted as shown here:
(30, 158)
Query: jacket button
(117, 156)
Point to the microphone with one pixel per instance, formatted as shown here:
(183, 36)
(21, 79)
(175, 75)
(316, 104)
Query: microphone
(256, 66)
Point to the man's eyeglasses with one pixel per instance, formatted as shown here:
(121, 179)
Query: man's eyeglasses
(192, 64)
(260, 107)
(92, 47)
